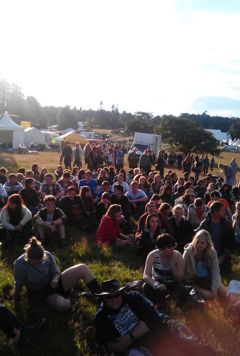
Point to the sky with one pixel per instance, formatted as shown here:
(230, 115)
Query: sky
(159, 56)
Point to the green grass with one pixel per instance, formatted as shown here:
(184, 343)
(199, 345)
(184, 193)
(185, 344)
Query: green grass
(69, 334)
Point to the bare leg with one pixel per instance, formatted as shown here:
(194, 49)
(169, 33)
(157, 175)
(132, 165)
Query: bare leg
(72, 275)
(41, 231)
(61, 231)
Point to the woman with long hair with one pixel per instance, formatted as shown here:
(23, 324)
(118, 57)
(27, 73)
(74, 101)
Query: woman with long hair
(109, 231)
(16, 218)
(102, 206)
(157, 184)
(42, 174)
(146, 240)
(89, 208)
(201, 266)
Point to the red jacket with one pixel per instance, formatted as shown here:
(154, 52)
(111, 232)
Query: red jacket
(108, 231)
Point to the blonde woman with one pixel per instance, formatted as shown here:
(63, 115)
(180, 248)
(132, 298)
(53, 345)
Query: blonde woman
(201, 266)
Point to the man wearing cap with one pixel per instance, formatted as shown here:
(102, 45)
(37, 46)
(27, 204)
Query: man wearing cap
(128, 324)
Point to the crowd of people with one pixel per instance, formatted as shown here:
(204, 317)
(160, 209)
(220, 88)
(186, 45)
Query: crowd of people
(185, 227)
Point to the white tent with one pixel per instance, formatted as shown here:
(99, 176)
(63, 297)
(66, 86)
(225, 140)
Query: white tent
(11, 134)
(33, 135)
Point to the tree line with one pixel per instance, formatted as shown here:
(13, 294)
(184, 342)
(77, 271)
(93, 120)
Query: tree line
(174, 129)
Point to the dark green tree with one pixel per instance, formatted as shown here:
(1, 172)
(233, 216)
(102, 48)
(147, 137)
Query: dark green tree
(67, 119)
(234, 130)
(187, 136)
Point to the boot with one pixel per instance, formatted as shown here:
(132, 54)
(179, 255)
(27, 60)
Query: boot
(94, 286)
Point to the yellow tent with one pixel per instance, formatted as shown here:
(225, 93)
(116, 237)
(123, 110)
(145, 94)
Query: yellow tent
(73, 137)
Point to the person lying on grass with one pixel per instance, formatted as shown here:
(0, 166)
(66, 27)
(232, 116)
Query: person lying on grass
(128, 324)
(201, 267)
(109, 231)
(37, 270)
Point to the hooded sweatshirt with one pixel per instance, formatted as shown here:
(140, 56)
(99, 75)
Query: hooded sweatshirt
(190, 273)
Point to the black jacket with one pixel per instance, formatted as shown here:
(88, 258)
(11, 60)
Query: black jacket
(227, 236)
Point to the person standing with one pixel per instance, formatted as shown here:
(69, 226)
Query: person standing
(206, 165)
(66, 155)
(145, 162)
(119, 158)
(160, 163)
(78, 155)
(133, 158)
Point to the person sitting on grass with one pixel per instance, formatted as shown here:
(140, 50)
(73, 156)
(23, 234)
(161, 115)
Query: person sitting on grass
(13, 327)
(37, 271)
(182, 230)
(137, 199)
(197, 212)
(105, 187)
(201, 266)
(128, 324)
(58, 172)
(146, 239)
(66, 181)
(89, 208)
(50, 220)
(164, 271)
(12, 186)
(30, 174)
(119, 198)
(109, 230)
(120, 181)
(16, 219)
(222, 234)
(71, 205)
(102, 206)
(49, 187)
(30, 196)
(88, 181)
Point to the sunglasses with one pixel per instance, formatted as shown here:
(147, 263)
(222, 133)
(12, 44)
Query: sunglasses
(109, 297)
